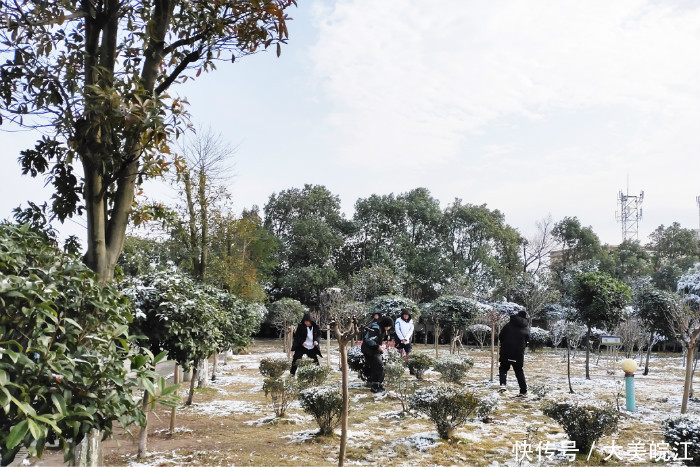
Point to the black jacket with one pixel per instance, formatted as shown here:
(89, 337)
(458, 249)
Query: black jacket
(513, 338)
(374, 350)
(300, 335)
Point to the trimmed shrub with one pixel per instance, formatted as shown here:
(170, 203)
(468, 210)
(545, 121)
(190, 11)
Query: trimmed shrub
(312, 375)
(682, 431)
(391, 355)
(394, 374)
(446, 405)
(273, 367)
(356, 362)
(452, 368)
(538, 337)
(419, 363)
(583, 423)
(281, 392)
(324, 403)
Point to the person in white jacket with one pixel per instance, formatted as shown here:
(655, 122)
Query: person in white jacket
(403, 327)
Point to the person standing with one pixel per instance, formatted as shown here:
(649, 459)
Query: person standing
(305, 342)
(403, 327)
(372, 348)
(513, 338)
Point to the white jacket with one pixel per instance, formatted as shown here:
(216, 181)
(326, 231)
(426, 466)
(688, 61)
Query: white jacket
(404, 330)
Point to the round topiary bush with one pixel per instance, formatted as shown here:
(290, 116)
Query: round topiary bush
(312, 375)
(446, 405)
(584, 423)
(682, 431)
(538, 337)
(273, 367)
(356, 362)
(419, 363)
(452, 368)
(324, 403)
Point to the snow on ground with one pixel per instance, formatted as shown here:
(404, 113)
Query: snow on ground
(222, 408)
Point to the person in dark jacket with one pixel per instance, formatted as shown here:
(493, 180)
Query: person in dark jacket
(373, 348)
(513, 338)
(305, 341)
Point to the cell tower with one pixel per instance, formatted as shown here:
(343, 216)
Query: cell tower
(630, 214)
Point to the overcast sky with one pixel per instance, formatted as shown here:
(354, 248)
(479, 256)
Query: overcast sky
(530, 107)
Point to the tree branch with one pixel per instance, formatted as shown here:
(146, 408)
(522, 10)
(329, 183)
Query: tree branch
(191, 57)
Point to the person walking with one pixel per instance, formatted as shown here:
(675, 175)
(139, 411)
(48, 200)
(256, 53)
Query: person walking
(305, 341)
(512, 339)
(372, 348)
(403, 327)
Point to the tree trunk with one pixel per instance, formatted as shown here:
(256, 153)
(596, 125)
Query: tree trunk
(342, 346)
(688, 376)
(89, 451)
(493, 345)
(192, 381)
(588, 351)
(202, 372)
(437, 339)
(143, 435)
(215, 366)
(568, 366)
(173, 411)
(646, 365)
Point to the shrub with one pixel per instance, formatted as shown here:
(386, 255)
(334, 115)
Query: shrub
(312, 375)
(453, 367)
(446, 405)
(394, 373)
(583, 423)
(538, 337)
(391, 355)
(683, 429)
(324, 404)
(273, 367)
(281, 393)
(356, 362)
(419, 363)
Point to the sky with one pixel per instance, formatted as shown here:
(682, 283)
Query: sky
(534, 108)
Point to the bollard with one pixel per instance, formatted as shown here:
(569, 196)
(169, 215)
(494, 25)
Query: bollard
(629, 366)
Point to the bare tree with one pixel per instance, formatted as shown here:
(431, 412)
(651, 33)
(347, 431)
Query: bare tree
(344, 319)
(632, 333)
(538, 246)
(202, 178)
(684, 322)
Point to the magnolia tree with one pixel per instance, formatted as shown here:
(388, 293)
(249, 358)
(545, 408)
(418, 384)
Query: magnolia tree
(284, 314)
(654, 306)
(452, 313)
(393, 305)
(64, 342)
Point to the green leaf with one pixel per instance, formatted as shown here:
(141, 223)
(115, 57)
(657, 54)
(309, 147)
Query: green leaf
(59, 402)
(160, 357)
(17, 434)
(4, 379)
(138, 362)
(35, 429)
(148, 385)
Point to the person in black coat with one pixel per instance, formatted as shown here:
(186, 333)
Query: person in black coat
(373, 348)
(513, 338)
(305, 341)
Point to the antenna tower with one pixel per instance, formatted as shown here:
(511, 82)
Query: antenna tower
(631, 213)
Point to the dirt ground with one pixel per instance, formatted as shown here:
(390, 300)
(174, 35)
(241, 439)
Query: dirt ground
(232, 423)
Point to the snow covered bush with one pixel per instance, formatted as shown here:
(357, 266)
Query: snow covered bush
(446, 405)
(324, 403)
(538, 337)
(452, 368)
(273, 367)
(356, 362)
(683, 431)
(393, 306)
(394, 374)
(419, 363)
(281, 392)
(584, 423)
(480, 332)
(391, 355)
(312, 375)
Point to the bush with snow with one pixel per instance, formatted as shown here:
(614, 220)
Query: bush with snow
(480, 332)
(324, 403)
(682, 431)
(446, 405)
(356, 362)
(452, 368)
(538, 337)
(312, 375)
(273, 367)
(584, 423)
(281, 392)
(419, 363)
